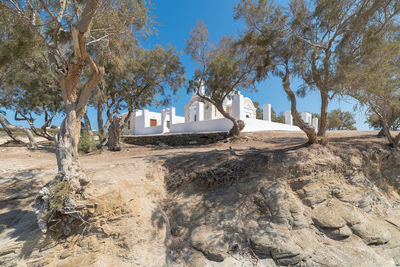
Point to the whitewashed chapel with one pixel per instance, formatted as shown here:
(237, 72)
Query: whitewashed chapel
(202, 116)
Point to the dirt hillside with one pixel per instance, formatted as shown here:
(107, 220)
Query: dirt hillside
(263, 200)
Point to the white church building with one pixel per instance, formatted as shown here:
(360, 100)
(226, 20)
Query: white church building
(202, 116)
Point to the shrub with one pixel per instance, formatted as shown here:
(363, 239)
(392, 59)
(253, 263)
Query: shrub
(86, 143)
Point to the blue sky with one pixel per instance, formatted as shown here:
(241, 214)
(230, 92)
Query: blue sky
(175, 20)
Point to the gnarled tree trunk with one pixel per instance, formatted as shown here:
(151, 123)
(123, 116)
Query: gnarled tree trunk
(235, 131)
(70, 174)
(114, 134)
(8, 127)
(306, 128)
(393, 141)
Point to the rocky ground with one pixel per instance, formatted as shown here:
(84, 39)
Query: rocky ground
(263, 200)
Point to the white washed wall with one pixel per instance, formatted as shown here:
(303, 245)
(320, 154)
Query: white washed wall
(179, 119)
(254, 125)
(218, 125)
(149, 130)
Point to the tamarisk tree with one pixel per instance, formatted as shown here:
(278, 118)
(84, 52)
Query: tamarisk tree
(76, 36)
(145, 77)
(323, 26)
(276, 50)
(373, 79)
(304, 41)
(222, 70)
(29, 90)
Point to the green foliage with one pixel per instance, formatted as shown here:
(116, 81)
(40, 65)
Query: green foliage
(60, 192)
(371, 77)
(339, 120)
(146, 77)
(222, 69)
(86, 143)
(36, 38)
(306, 40)
(375, 122)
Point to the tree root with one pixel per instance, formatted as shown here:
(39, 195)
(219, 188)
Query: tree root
(57, 203)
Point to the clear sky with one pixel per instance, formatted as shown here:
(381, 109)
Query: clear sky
(176, 18)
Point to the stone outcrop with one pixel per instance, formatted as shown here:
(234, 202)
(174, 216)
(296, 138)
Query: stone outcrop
(210, 242)
(307, 208)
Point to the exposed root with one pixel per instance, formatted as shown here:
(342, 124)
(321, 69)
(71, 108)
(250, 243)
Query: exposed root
(58, 203)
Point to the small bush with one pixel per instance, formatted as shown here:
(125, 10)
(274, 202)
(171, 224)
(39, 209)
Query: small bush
(60, 192)
(86, 143)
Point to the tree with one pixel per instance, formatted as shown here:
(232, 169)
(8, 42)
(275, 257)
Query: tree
(376, 123)
(274, 47)
(8, 129)
(29, 90)
(76, 36)
(371, 77)
(339, 120)
(149, 73)
(222, 70)
(323, 26)
(25, 87)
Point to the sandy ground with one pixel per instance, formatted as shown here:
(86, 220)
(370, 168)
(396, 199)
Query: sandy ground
(129, 184)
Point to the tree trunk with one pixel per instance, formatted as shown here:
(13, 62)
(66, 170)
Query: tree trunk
(70, 174)
(8, 127)
(235, 131)
(393, 141)
(100, 120)
(306, 128)
(30, 121)
(69, 171)
(324, 113)
(88, 126)
(114, 134)
(381, 133)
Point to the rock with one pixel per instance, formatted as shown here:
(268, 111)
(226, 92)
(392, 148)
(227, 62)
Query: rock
(327, 217)
(338, 215)
(210, 242)
(343, 232)
(313, 194)
(197, 260)
(283, 207)
(194, 142)
(372, 231)
(278, 245)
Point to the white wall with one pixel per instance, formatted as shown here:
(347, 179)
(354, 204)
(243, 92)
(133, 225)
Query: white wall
(179, 119)
(149, 130)
(254, 125)
(217, 125)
